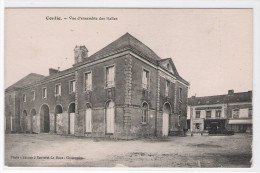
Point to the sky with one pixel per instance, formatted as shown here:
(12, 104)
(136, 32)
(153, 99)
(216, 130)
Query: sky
(212, 49)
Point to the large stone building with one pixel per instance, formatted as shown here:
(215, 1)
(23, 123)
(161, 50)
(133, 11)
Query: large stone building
(122, 91)
(232, 111)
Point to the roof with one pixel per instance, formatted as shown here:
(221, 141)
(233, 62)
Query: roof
(127, 41)
(29, 79)
(220, 99)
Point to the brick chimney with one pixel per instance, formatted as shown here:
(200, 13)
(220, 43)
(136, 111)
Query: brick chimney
(80, 54)
(53, 71)
(230, 92)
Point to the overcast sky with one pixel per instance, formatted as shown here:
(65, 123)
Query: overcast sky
(211, 48)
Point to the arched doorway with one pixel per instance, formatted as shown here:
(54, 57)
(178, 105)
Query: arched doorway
(71, 112)
(110, 115)
(57, 118)
(45, 118)
(88, 118)
(26, 122)
(166, 116)
(33, 120)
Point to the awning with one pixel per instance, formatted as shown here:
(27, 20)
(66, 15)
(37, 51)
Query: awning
(248, 121)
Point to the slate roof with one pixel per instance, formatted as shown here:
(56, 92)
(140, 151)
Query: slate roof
(29, 79)
(127, 41)
(218, 99)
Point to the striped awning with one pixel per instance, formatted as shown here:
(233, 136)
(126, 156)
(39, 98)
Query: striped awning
(247, 121)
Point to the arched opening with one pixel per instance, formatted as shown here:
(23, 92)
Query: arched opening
(166, 117)
(144, 112)
(88, 118)
(45, 118)
(26, 121)
(57, 118)
(71, 112)
(33, 120)
(110, 116)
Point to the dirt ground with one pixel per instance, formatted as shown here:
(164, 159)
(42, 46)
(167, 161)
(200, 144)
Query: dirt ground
(69, 151)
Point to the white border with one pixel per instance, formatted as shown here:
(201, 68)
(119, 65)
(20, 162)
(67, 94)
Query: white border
(255, 4)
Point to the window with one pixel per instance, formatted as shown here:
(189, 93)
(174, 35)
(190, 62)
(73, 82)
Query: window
(33, 95)
(24, 98)
(44, 93)
(197, 114)
(88, 81)
(167, 88)
(145, 79)
(235, 113)
(57, 90)
(250, 113)
(208, 114)
(72, 86)
(145, 113)
(218, 113)
(180, 94)
(110, 76)
(168, 66)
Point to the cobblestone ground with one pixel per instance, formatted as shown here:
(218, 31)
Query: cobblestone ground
(69, 151)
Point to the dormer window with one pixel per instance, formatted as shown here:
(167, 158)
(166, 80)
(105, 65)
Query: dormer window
(168, 66)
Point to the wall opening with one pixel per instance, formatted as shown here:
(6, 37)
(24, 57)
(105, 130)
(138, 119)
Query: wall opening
(71, 112)
(45, 118)
(57, 117)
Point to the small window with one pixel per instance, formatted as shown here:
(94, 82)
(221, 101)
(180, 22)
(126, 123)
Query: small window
(208, 114)
(197, 114)
(110, 76)
(145, 79)
(44, 93)
(235, 113)
(24, 98)
(167, 88)
(218, 113)
(180, 94)
(168, 66)
(250, 113)
(145, 113)
(88, 81)
(72, 86)
(33, 95)
(57, 90)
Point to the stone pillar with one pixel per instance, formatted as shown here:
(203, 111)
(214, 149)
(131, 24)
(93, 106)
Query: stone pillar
(52, 122)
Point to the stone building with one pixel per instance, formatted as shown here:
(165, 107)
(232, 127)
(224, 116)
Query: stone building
(232, 111)
(122, 91)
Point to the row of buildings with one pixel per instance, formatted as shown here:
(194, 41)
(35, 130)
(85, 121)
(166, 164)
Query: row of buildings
(231, 111)
(122, 91)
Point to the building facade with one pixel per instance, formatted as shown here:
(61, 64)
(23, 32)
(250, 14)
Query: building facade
(232, 111)
(122, 91)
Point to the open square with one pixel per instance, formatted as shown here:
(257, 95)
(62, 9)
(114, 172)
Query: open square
(70, 151)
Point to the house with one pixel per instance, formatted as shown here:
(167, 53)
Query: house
(232, 111)
(122, 91)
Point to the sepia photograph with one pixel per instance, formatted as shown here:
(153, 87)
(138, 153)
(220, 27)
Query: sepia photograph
(128, 87)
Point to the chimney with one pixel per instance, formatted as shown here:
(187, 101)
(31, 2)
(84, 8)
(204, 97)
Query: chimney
(80, 54)
(230, 92)
(53, 71)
